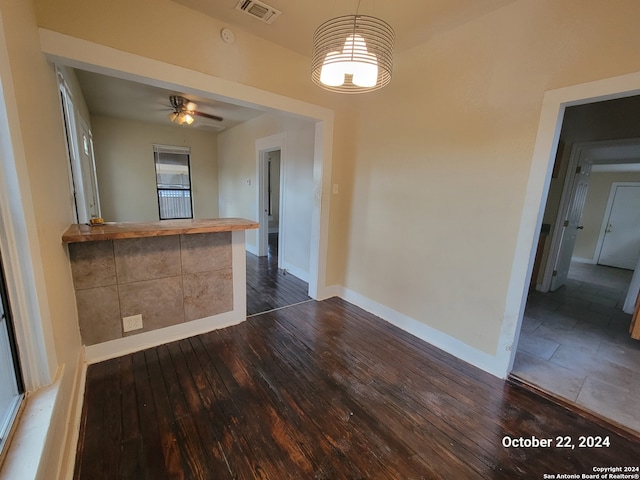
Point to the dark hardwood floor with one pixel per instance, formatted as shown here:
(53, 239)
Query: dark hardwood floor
(321, 390)
(269, 288)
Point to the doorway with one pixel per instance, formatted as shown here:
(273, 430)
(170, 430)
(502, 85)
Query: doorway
(272, 283)
(271, 207)
(574, 339)
(272, 202)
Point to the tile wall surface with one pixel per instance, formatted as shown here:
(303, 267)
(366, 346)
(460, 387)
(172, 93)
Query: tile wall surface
(168, 280)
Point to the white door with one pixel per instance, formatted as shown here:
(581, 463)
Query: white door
(571, 226)
(621, 243)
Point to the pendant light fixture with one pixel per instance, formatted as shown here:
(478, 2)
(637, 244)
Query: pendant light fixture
(352, 54)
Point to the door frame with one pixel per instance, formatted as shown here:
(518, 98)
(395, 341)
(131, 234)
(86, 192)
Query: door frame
(264, 146)
(554, 104)
(78, 53)
(607, 214)
(584, 155)
(88, 163)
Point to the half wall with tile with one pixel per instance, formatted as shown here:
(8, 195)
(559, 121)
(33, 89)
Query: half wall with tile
(183, 277)
(166, 279)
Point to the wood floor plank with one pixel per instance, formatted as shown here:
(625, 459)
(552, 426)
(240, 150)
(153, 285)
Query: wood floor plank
(269, 287)
(418, 408)
(223, 416)
(407, 415)
(130, 421)
(247, 399)
(349, 430)
(152, 451)
(378, 420)
(202, 446)
(103, 423)
(132, 464)
(288, 419)
(321, 390)
(528, 419)
(304, 411)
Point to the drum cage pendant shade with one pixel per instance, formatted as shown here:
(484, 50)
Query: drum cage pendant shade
(352, 54)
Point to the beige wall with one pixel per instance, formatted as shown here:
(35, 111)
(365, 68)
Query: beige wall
(433, 181)
(594, 210)
(126, 171)
(443, 157)
(237, 165)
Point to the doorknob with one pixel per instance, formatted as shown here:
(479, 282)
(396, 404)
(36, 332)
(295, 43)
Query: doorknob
(580, 227)
(609, 228)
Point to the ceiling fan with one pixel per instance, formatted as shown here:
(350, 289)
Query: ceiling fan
(184, 111)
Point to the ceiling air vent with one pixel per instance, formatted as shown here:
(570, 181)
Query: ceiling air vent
(259, 10)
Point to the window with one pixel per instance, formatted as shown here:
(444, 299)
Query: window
(11, 386)
(173, 178)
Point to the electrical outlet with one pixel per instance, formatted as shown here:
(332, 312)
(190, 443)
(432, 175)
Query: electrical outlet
(134, 322)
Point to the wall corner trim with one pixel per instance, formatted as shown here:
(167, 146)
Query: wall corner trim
(68, 457)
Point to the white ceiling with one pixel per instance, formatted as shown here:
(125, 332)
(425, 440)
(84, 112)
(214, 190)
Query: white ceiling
(115, 97)
(413, 21)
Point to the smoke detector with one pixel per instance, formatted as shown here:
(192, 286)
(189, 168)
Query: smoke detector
(258, 10)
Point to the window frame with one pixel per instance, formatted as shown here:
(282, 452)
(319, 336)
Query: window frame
(159, 149)
(7, 423)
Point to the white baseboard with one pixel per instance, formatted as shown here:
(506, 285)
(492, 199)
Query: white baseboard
(489, 363)
(123, 346)
(252, 249)
(592, 261)
(296, 272)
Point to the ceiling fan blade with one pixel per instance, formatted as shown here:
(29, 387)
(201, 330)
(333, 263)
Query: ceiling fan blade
(206, 115)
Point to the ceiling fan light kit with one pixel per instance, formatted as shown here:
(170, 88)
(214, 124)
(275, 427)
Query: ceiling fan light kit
(352, 54)
(181, 117)
(185, 111)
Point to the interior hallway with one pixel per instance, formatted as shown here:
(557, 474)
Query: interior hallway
(575, 344)
(268, 287)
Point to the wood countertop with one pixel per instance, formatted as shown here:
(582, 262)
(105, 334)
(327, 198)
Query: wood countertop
(116, 231)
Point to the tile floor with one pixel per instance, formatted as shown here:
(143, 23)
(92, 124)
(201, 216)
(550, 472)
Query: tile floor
(575, 344)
